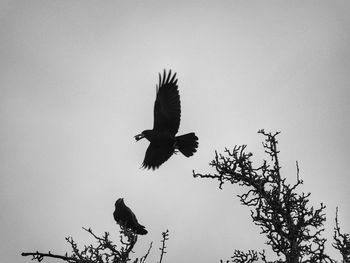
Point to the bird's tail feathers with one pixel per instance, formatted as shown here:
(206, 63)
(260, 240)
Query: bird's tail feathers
(140, 230)
(187, 144)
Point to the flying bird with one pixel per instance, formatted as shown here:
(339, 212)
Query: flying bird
(167, 114)
(126, 218)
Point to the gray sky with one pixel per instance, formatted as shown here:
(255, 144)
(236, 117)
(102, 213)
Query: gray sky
(78, 82)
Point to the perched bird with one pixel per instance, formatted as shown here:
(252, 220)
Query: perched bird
(126, 218)
(167, 114)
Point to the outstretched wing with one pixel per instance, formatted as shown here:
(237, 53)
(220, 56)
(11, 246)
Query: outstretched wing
(155, 156)
(167, 110)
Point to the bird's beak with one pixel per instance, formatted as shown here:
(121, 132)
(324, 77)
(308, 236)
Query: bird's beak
(139, 136)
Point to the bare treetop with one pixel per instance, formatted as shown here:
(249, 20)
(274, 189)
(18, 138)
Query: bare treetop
(293, 228)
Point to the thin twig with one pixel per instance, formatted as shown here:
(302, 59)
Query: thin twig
(162, 249)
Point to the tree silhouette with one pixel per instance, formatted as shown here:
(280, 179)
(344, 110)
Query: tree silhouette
(341, 240)
(293, 228)
(106, 251)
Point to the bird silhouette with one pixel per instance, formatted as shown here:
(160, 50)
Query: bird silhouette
(167, 114)
(126, 218)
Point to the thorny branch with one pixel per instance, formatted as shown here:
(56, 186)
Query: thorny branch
(165, 237)
(40, 256)
(293, 228)
(342, 240)
(244, 257)
(143, 258)
(104, 252)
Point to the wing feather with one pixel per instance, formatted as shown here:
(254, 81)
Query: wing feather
(155, 156)
(167, 108)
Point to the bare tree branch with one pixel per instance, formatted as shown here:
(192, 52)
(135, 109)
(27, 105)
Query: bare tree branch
(143, 258)
(244, 257)
(105, 251)
(40, 256)
(342, 240)
(165, 237)
(292, 227)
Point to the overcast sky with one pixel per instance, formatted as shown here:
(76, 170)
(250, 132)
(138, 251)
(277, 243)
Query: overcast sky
(78, 82)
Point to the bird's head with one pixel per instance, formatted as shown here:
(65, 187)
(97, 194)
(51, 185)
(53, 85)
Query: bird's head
(119, 202)
(145, 134)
